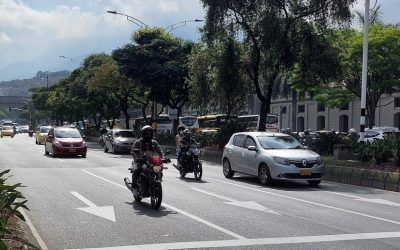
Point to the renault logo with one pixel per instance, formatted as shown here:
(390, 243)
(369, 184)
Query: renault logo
(304, 163)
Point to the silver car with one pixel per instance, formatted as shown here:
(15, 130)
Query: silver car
(119, 141)
(271, 156)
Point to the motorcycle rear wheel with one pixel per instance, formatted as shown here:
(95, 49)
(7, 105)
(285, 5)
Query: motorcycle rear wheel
(182, 173)
(156, 197)
(198, 173)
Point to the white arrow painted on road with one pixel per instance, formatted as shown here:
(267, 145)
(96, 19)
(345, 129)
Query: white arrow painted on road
(106, 212)
(245, 204)
(379, 201)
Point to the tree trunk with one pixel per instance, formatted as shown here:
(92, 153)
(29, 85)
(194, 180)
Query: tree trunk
(294, 110)
(263, 115)
(371, 115)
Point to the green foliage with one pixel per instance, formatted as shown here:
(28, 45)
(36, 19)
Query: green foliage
(394, 145)
(10, 201)
(380, 151)
(334, 97)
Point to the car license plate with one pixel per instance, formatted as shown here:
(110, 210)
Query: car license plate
(72, 150)
(305, 172)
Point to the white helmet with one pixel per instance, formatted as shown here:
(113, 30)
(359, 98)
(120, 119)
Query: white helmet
(352, 130)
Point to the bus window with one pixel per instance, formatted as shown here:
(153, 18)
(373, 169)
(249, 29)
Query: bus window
(189, 122)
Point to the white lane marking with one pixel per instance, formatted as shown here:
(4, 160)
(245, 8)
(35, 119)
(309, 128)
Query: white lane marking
(309, 202)
(33, 230)
(257, 242)
(106, 212)
(212, 225)
(244, 204)
(380, 201)
(358, 198)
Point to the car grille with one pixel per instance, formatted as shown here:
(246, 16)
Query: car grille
(299, 164)
(66, 144)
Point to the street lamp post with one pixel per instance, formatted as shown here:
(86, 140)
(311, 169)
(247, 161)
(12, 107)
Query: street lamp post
(181, 24)
(71, 59)
(364, 71)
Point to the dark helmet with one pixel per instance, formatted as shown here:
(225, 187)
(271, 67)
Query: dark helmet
(147, 133)
(180, 127)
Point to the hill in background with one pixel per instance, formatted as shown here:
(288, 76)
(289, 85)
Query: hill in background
(21, 87)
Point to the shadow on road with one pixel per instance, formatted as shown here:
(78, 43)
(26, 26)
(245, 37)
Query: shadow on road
(191, 179)
(278, 185)
(144, 208)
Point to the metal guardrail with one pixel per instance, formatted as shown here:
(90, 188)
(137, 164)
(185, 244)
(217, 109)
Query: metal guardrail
(363, 177)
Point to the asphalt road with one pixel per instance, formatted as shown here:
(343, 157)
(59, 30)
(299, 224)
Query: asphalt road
(64, 193)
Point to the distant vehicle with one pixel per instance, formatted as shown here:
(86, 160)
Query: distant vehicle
(211, 123)
(164, 124)
(7, 131)
(271, 156)
(119, 140)
(378, 133)
(65, 141)
(189, 122)
(23, 129)
(7, 123)
(252, 121)
(42, 134)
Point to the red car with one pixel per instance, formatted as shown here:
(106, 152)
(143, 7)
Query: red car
(65, 141)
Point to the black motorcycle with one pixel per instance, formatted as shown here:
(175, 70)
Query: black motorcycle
(148, 183)
(189, 162)
(30, 133)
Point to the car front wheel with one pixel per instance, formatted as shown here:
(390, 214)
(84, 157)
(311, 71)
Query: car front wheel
(264, 175)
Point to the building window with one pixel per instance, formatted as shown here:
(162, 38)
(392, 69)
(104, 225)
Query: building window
(320, 122)
(300, 109)
(397, 102)
(396, 120)
(283, 110)
(300, 124)
(343, 123)
(320, 108)
(345, 107)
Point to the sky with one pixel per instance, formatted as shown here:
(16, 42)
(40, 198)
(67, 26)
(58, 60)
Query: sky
(35, 33)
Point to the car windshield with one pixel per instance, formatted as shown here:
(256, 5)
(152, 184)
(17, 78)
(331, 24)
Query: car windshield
(124, 134)
(44, 129)
(7, 128)
(279, 142)
(67, 133)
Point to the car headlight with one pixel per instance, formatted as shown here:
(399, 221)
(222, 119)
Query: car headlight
(282, 161)
(319, 160)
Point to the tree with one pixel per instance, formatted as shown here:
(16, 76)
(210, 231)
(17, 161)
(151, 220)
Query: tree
(158, 62)
(273, 32)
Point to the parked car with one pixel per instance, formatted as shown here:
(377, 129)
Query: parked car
(119, 140)
(378, 133)
(65, 141)
(271, 156)
(7, 131)
(41, 134)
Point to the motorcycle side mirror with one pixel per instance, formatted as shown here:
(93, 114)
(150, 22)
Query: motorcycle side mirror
(167, 152)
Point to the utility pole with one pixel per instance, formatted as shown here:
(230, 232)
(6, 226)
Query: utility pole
(364, 71)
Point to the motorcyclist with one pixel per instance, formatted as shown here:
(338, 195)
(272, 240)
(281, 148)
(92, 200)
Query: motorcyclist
(144, 145)
(187, 140)
(178, 139)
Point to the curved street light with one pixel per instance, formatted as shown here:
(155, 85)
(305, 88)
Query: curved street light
(143, 25)
(130, 18)
(70, 58)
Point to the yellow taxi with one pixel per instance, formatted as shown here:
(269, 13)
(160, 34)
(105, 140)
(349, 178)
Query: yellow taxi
(41, 135)
(7, 131)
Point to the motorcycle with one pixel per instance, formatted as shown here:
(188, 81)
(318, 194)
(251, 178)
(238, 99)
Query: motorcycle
(189, 162)
(148, 182)
(30, 133)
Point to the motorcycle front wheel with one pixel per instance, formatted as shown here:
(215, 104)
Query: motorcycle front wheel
(156, 196)
(198, 173)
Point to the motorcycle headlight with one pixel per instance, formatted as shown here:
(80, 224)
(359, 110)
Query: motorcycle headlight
(282, 161)
(157, 169)
(319, 160)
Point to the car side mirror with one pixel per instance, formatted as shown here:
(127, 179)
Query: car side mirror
(252, 148)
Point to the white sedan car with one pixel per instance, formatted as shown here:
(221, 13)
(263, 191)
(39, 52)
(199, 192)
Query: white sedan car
(271, 156)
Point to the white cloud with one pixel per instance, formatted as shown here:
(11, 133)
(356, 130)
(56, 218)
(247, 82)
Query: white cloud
(4, 39)
(168, 6)
(64, 22)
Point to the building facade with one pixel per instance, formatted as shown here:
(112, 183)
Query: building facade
(311, 115)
